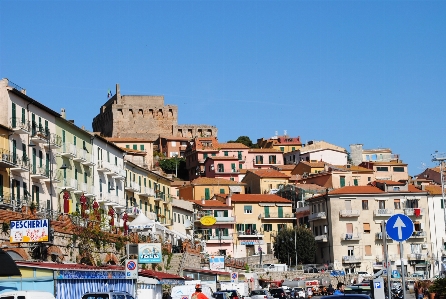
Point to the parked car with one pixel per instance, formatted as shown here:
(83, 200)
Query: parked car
(27, 295)
(347, 296)
(107, 295)
(278, 293)
(233, 294)
(311, 270)
(221, 295)
(260, 294)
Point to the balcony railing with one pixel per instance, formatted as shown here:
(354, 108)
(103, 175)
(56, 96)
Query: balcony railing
(349, 213)
(414, 211)
(218, 238)
(249, 233)
(351, 259)
(379, 236)
(132, 186)
(21, 165)
(39, 134)
(103, 166)
(39, 172)
(6, 158)
(146, 191)
(321, 238)
(69, 184)
(81, 156)
(55, 141)
(20, 125)
(276, 215)
(68, 150)
(384, 212)
(416, 256)
(316, 216)
(351, 237)
(418, 234)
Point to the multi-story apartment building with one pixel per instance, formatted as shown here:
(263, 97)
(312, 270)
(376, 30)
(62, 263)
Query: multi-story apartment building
(32, 141)
(432, 175)
(315, 151)
(284, 143)
(263, 181)
(394, 170)
(346, 223)
(6, 162)
(172, 146)
(196, 153)
(359, 155)
(218, 237)
(263, 158)
(135, 145)
(182, 218)
(75, 153)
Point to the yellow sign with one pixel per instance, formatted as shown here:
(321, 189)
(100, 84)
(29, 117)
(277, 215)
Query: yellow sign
(208, 220)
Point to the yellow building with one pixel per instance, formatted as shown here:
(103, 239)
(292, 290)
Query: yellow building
(6, 162)
(263, 181)
(205, 188)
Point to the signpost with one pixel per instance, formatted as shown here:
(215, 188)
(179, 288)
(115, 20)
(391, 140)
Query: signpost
(399, 227)
(234, 277)
(131, 269)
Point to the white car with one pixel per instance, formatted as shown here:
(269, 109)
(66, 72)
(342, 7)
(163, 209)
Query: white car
(299, 292)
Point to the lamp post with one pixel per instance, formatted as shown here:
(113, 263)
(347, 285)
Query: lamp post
(440, 158)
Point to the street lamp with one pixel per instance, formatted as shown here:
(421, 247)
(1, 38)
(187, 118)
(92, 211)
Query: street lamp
(440, 158)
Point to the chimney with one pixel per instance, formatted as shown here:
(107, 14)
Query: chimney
(202, 200)
(62, 113)
(229, 199)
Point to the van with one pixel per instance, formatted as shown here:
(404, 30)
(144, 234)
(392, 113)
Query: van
(107, 295)
(179, 292)
(27, 295)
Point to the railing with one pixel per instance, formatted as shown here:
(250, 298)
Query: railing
(321, 238)
(249, 233)
(133, 186)
(384, 212)
(315, 216)
(68, 149)
(225, 219)
(349, 213)
(277, 215)
(218, 238)
(416, 256)
(81, 155)
(39, 171)
(351, 259)
(350, 236)
(22, 163)
(18, 123)
(414, 211)
(146, 191)
(379, 236)
(6, 156)
(418, 234)
(55, 140)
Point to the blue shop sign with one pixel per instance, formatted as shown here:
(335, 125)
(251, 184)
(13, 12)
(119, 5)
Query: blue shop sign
(76, 274)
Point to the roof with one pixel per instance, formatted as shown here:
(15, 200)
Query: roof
(357, 190)
(257, 198)
(353, 168)
(390, 183)
(433, 189)
(171, 137)
(310, 187)
(230, 145)
(223, 158)
(207, 271)
(285, 167)
(268, 173)
(133, 151)
(210, 203)
(320, 146)
(264, 150)
(214, 181)
(60, 266)
(313, 164)
(158, 275)
(127, 139)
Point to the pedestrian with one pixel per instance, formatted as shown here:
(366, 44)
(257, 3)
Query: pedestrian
(420, 291)
(330, 290)
(198, 294)
(340, 289)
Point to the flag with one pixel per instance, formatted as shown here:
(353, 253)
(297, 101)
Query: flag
(109, 94)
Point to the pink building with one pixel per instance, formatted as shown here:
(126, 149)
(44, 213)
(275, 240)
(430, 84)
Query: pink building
(263, 158)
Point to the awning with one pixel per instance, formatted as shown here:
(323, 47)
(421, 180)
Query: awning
(381, 198)
(9, 267)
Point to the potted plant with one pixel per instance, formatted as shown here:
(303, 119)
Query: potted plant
(438, 288)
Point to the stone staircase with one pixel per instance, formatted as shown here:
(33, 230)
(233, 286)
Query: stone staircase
(175, 263)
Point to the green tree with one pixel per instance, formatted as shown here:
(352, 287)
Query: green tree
(245, 140)
(285, 250)
(174, 164)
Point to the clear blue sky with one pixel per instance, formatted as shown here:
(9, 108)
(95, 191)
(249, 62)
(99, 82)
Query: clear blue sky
(370, 72)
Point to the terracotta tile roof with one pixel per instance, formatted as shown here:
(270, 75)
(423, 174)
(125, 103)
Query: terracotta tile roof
(385, 163)
(210, 203)
(132, 151)
(414, 189)
(311, 187)
(319, 164)
(264, 150)
(158, 275)
(175, 138)
(353, 168)
(230, 145)
(357, 190)
(179, 183)
(285, 167)
(258, 198)
(214, 181)
(268, 173)
(379, 150)
(223, 158)
(433, 189)
(390, 183)
(126, 139)
(242, 171)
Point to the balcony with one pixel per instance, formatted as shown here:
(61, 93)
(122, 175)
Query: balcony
(133, 187)
(21, 165)
(103, 197)
(89, 160)
(351, 259)
(349, 213)
(39, 173)
(56, 177)
(277, 216)
(133, 211)
(379, 236)
(115, 200)
(228, 171)
(6, 159)
(69, 184)
(384, 212)
(350, 237)
(218, 239)
(103, 166)
(249, 234)
(321, 238)
(85, 189)
(146, 192)
(118, 172)
(20, 125)
(160, 196)
(10, 201)
(317, 216)
(68, 150)
(55, 141)
(225, 220)
(81, 156)
(414, 212)
(417, 256)
(418, 235)
(39, 135)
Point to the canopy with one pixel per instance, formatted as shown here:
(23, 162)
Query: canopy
(141, 222)
(9, 267)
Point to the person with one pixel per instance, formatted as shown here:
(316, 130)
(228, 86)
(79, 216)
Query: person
(330, 290)
(198, 294)
(420, 291)
(339, 289)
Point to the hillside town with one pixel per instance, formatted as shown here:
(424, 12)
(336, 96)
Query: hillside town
(77, 205)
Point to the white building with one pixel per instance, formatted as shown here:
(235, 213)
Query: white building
(315, 151)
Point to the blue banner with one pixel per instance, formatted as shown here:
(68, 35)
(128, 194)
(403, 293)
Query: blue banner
(76, 274)
(149, 253)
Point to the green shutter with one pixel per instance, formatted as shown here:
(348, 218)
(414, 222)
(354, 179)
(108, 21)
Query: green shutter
(141, 147)
(215, 213)
(14, 151)
(1, 185)
(13, 119)
(135, 147)
(280, 210)
(207, 194)
(23, 116)
(225, 213)
(355, 182)
(40, 159)
(34, 160)
(222, 191)
(342, 181)
(225, 153)
(442, 203)
(74, 140)
(63, 137)
(233, 166)
(266, 211)
(226, 232)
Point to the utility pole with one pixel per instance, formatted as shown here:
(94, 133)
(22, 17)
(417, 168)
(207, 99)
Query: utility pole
(441, 158)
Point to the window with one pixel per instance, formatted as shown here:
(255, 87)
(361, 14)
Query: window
(280, 226)
(207, 194)
(282, 149)
(342, 181)
(220, 168)
(233, 167)
(396, 188)
(222, 191)
(239, 155)
(365, 204)
(259, 159)
(293, 148)
(205, 156)
(398, 169)
(366, 228)
(141, 147)
(350, 251)
(368, 250)
(382, 168)
(267, 227)
(135, 147)
(266, 210)
(240, 166)
(397, 204)
(74, 139)
(248, 209)
(381, 204)
(280, 212)
(272, 159)
(225, 153)
(127, 146)
(85, 177)
(116, 161)
(355, 182)
(369, 179)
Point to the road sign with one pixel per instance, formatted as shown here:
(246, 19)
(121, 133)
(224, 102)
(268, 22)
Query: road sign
(234, 277)
(131, 269)
(399, 227)
(384, 271)
(377, 285)
(396, 274)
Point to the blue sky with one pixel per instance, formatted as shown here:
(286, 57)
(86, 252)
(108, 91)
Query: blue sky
(370, 72)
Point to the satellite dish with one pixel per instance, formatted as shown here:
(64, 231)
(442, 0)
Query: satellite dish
(187, 223)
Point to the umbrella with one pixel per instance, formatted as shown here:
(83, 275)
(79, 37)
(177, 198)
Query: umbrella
(9, 267)
(141, 222)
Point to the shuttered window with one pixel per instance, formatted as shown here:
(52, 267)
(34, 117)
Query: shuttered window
(366, 228)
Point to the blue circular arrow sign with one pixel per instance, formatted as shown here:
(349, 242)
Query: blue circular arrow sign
(399, 227)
